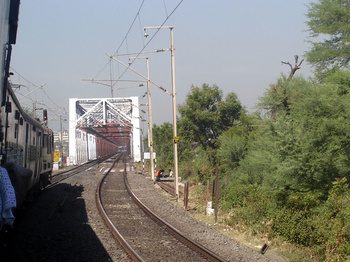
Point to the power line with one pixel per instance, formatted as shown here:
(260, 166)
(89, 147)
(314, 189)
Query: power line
(144, 45)
(12, 69)
(132, 24)
(147, 43)
(51, 101)
(124, 39)
(166, 11)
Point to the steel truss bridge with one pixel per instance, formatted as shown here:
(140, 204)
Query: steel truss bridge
(98, 125)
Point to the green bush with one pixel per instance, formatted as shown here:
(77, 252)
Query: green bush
(334, 222)
(233, 194)
(297, 227)
(255, 210)
(301, 218)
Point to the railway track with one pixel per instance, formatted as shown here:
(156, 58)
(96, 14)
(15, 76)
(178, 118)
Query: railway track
(143, 234)
(169, 188)
(62, 175)
(63, 224)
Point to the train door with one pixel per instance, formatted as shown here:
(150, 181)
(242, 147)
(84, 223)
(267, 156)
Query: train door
(26, 146)
(37, 144)
(40, 153)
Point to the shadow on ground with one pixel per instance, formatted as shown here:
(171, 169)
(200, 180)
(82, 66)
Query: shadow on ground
(54, 228)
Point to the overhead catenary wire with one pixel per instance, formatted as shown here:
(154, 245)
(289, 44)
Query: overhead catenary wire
(144, 45)
(140, 24)
(128, 67)
(166, 11)
(125, 98)
(124, 39)
(132, 24)
(52, 110)
(21, 76)
(138, 54)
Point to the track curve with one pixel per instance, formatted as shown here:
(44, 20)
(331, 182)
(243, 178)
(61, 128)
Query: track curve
(146, 237)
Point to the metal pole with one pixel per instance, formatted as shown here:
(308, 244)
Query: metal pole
(172, 49)
(61, 143)
(150, 119)
(175, 138)
(216, 192)
(34, 109)
(150, 123)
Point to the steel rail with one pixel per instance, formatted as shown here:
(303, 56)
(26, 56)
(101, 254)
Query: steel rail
(176, 233)
(133, 254)
(168, 188)
(99, 160)
(73, 171)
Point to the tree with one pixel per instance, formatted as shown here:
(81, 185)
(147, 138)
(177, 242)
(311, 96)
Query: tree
(329, 24)
(281, 95)
(296, 66)
(306, 148)
(163, 144)
(234, 141)
(204, 115)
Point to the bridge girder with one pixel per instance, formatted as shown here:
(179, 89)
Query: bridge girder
(113, 119)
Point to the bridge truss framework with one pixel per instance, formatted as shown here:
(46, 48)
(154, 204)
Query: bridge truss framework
(98, 125)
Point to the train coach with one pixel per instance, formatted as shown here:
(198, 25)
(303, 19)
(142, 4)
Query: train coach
(28, 143)
(24, 141)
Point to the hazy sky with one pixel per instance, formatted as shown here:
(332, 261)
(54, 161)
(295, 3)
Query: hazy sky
(237, 45)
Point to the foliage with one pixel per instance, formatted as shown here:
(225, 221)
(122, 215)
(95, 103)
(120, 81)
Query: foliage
(254, 209)
(334, 222)
(297, 227)
(284, 170)
(281, 95)
(204, 115)
(163, 144)
(339, 81)
(232, 150)
(283, 180)
(198, 167)
(234, 141)
(306, 147)
(329, 24)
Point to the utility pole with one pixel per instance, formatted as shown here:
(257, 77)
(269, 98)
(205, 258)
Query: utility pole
(61, 137)
(175, 137)
(61, 142)
(35, 109)
(150, 123)
(150, 119)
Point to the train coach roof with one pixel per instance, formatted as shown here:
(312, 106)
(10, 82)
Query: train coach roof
(26, 117)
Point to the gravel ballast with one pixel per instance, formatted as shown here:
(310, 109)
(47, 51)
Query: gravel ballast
(63, 224)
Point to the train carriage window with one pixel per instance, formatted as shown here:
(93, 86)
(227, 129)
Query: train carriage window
(8, 107)
(44, 141)
(16, 130)
(48, 144)
(40, 142)
(17, 115)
